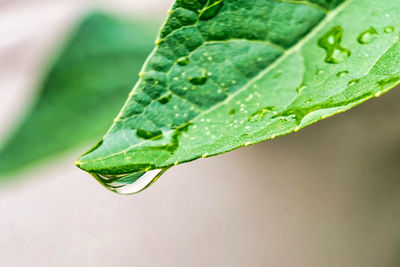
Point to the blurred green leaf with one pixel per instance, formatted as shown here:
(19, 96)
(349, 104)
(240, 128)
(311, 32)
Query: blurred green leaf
(226, 74)
(82, 91)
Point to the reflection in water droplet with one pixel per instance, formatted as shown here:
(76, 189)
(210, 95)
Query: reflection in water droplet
(200, 80)
(389, 29)
(368, 36)
(183, 61)
(342, 73)
(331, 42)
(211, 10)
(353, 82)
(127, 184)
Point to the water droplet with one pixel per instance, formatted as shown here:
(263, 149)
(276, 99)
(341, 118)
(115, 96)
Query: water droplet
(389, 29)
(342, 73)
(301, 88)
(211, 10)
(132, 183)
(331, 42)
(145, 134)
(353, 82)
(200, 80)
(165, 99)
(232, 112)
(319, 72)
(260, 114)
(183, 61)
(368, 36)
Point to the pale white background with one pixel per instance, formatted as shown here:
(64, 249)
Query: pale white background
(326, 196)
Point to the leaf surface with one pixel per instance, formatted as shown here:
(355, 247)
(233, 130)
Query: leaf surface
(227, 74)
(82, 91)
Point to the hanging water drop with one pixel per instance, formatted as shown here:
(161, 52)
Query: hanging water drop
(127, 184)
(331, 42)
(368, 36)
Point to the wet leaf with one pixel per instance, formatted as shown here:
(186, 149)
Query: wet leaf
(82, 91)
(226, 74)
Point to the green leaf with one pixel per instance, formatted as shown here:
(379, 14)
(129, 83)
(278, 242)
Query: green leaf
(82, 91)
(227, 74)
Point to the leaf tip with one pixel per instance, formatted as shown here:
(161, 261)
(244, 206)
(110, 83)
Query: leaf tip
(78, 164)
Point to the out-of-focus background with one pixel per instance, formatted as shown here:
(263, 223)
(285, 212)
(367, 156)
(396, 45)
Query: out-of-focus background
(328, 195)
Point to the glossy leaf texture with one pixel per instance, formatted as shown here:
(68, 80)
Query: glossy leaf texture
(81, 93)
(230, 73)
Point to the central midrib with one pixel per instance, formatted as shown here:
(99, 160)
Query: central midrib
(330, 15)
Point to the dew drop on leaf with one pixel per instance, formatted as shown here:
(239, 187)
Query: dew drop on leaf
(353, 82)
(331, 42)
(199, 80)
(165, 99)
(260, 114)
(368, 36)
(149, 134)
(132, 183)
(389, 29)
(183, 61)
(211, 10)
(301, 88)
(342, 73)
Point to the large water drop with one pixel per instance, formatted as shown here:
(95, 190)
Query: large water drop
(127, 184)
(331, 42)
